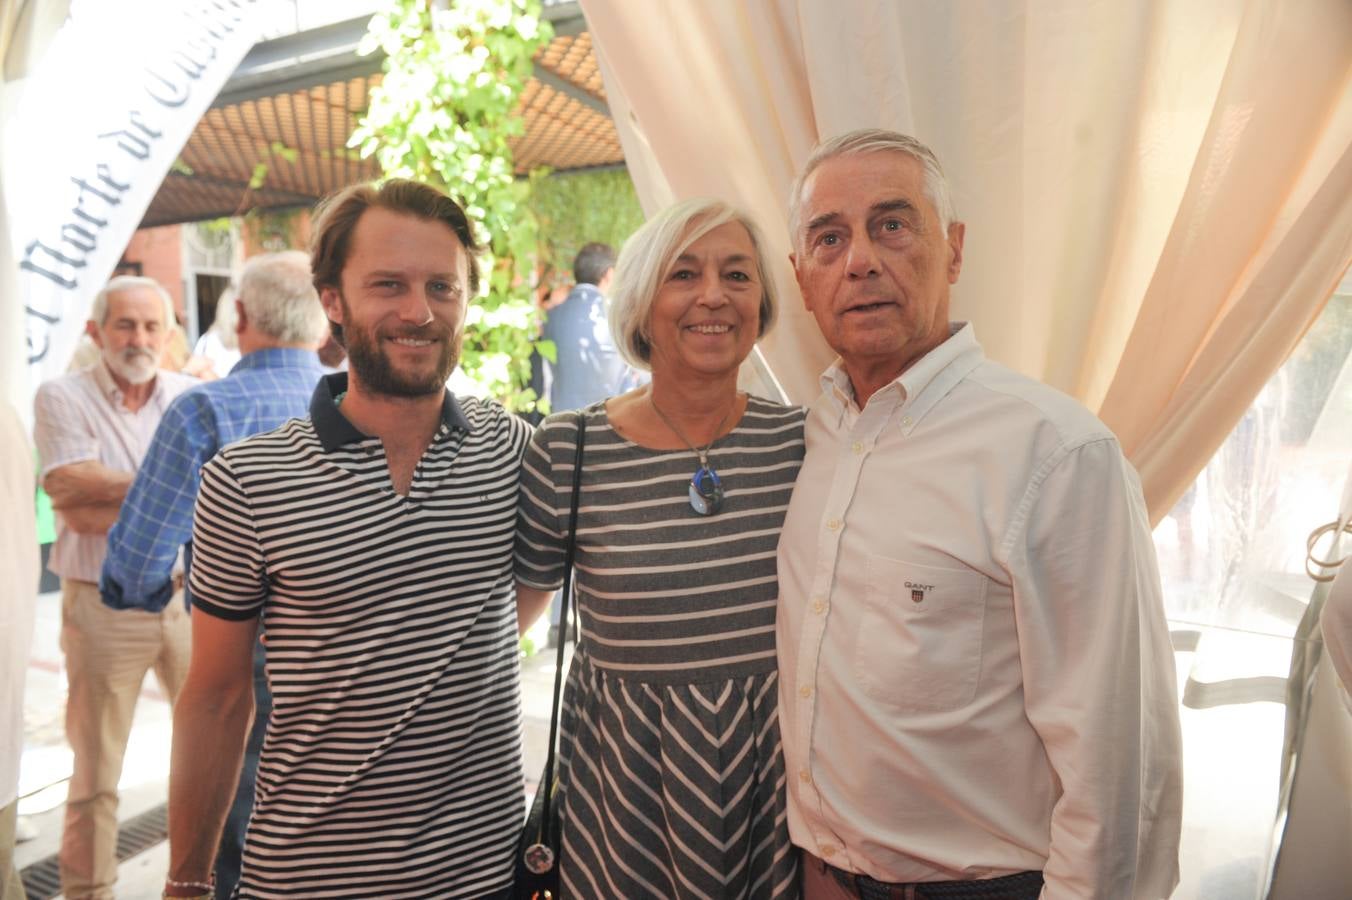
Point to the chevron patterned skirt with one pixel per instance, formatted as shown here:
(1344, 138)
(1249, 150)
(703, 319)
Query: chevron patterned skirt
(673, 790)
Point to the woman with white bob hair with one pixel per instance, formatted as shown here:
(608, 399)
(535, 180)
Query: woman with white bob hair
(672, 778)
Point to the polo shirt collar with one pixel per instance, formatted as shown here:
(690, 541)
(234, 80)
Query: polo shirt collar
(335, 430)
(925, 382)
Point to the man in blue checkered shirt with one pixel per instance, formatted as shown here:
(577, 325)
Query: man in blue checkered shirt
(280, 324)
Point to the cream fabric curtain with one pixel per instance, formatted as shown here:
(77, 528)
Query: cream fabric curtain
(13, 387)
(26, 28)
(1158, 194)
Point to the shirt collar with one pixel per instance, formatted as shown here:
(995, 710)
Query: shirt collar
(279, 358)
(583, 297)
(924, 383)
(335, 430)
(104, 379)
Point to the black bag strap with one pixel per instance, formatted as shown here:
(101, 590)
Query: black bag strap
(570, 551)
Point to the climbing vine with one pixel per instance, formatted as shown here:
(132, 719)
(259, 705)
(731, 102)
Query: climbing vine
(575, 208)
(445, 113)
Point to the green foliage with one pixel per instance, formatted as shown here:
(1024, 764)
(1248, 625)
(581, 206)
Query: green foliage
(443, 114)
(259, 176)
(576, 208)
(274, 229)
(282, 151)
(46, 519)
(217, 227)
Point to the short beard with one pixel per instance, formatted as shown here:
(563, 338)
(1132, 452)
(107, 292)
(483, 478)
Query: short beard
(375, 372)
(124, 364)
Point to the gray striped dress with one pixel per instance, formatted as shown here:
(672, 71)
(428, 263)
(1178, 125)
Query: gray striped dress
(672, 772)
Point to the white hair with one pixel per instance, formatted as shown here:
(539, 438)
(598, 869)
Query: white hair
(875, 140)
(648, 256)
(278, 295)
(98, 313)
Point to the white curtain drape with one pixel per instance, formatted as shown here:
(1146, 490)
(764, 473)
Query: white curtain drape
(26, 28)
(83, 156)
(1158, 194)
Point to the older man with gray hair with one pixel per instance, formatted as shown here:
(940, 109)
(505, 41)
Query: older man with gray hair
(977, 691)
(92, 427)
(279, 325)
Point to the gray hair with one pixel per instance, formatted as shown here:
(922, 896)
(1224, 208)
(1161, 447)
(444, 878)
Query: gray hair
(875, 140)
(648, 256)
(98, 313)
(279, 297)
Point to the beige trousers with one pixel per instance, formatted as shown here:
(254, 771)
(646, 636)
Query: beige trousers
(108, 652)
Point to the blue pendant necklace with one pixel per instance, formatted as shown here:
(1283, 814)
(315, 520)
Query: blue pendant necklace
(706, 489)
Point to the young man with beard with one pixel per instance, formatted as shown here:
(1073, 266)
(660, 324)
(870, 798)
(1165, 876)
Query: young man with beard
(92, 428)
(374, 539)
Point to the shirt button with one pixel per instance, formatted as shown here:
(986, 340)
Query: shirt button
(857, 448)
(828, 850)
(805, 691)
(804, 776)
(907, 421)
(833, 524)
(818, 606)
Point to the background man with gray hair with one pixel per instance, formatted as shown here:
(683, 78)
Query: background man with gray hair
(977, 693)
(279, 324)
(92, 428)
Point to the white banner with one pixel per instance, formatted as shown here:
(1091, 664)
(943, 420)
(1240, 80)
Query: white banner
(98, 126)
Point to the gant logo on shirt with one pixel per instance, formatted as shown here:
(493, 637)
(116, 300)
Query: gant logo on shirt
(918, 590)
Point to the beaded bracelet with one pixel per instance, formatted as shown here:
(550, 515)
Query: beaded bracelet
(207, 888)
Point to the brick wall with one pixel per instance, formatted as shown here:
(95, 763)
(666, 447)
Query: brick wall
(159, 252)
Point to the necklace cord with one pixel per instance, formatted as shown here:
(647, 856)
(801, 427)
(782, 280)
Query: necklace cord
(718, 430)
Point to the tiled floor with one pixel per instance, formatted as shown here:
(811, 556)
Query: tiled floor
(46, 761)
(1231, 754)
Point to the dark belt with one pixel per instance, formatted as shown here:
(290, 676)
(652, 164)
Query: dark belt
(1019, 886)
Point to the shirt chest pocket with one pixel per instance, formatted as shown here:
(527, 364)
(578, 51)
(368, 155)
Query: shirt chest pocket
(919, 641)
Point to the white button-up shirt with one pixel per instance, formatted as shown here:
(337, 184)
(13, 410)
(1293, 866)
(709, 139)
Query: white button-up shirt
(80, 417)
(976, 676)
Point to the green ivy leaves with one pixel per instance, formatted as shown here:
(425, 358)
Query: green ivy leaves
(444, 113)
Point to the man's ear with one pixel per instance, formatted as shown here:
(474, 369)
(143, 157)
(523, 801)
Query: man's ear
(332, 301)
(241, 316)
(798, 277)
(956, 232)
(92, 330)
